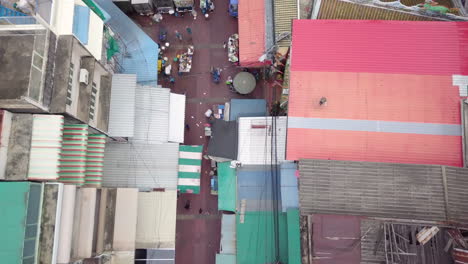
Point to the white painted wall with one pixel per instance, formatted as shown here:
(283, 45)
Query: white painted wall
(126, 206)
(62, 24)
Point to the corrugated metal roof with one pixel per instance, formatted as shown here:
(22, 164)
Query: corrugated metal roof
(289, 188)
(337, 9)
(255, 140)
(285, 12)
(401, 191)
(141, 165)
(227, 183)
(151, 115)
(254, 185)
(228, 234)
(156, 221)
(247, 108)
(389, 114)
(142, 51)
(122, 105)
(176, 118)
(344, 247)
(251, 32)
(380, 47)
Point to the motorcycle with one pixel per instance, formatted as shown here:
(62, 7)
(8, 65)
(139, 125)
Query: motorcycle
(216, 74)
(162, 35)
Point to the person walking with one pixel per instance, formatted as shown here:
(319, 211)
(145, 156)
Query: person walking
(178, 35)
(187, 205)
(194, 14)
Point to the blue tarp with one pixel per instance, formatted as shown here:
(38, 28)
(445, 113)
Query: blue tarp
(254, 184)
(289, 190)
(81, 23)
(142, 58)
(247, 108)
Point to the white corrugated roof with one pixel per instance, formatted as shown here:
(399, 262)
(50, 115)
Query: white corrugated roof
(143, 166)
(254, 145)
(151, 115)
(176, 118)
(156, 221)
(122, 105)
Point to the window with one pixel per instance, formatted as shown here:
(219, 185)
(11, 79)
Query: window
(70, 84)
(92, 105)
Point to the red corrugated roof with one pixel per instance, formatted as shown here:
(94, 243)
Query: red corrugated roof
(251, 31)
(380, 46)
(376, 71)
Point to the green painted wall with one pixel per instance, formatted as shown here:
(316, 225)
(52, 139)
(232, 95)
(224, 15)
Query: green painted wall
(255, 238)
(226, 187)
(16, 223)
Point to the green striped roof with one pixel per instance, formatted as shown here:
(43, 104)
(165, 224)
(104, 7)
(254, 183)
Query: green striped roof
(190, 161)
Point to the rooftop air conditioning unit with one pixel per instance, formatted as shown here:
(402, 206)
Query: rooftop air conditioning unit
(84, 76)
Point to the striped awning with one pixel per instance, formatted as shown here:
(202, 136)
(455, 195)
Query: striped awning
(73, 155)
(46, 143)
(95, 159)
(190, 159)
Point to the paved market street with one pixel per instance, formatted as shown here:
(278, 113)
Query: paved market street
(197, 239)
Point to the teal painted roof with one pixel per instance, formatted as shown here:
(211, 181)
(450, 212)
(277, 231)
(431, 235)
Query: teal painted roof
(294, 237)
(256, 238)
(227, 183)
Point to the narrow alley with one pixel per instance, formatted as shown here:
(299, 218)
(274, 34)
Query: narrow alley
(198, 235)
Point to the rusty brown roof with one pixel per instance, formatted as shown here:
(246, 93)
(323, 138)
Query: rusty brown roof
(336, 9)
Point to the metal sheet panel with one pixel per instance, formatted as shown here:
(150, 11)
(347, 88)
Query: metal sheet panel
(227, 187)
(251, 32)
(122, 105)
(289, 187)
(254, 185)
(143, 51)
(359, 47)
(156, 219)
(141, 166)
(382, 190)
(285, 12)
(176, 118)
(247, 108)
(228, 234)
(255, 140)
(338, 9)
(151, 115)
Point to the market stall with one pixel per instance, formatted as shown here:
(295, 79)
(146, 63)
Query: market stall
(185, 60)
(233, 48)
(206, 6)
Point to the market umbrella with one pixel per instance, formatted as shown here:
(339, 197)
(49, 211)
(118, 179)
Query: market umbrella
(244, 82)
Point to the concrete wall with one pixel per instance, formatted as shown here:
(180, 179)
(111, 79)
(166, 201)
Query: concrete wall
(83, 228)
(15, 65)
(70, 50)
(106, 220)
(66, 224)
(103, 104)
(19, 147)
(5, 127)
(47, 240)
(117, 220)
(84, 91)
(125, 219)
(62, 67)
